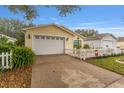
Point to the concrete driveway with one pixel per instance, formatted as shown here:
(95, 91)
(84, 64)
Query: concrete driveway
(62, 71)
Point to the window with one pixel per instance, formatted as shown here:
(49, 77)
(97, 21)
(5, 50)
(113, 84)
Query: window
(77, 44)
(57, 38)
(53, 38)
(37, 37)
(47, 37)
(62, 38)
(42, 37)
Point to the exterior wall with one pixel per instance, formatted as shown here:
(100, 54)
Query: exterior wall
(109, 41)
(94, 43)
(120, 45)
(51, 31)
(108, 44)
(106, 41)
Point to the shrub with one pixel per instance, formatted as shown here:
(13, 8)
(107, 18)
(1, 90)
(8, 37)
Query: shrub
(22, 56)
(4, 48)
(11, 45)
(86, 46)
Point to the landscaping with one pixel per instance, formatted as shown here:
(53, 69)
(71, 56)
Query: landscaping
(19, 72)
(109, 63)
(16, 78)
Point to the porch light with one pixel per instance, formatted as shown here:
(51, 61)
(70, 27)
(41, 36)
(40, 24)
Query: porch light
(77, 37)
(67, 39)
(29, 36)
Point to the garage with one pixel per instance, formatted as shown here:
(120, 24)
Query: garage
(50, 39)
(44, 45)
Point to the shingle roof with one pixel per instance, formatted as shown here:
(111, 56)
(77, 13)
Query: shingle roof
(120, 39)
(98, 37)
(60, 26)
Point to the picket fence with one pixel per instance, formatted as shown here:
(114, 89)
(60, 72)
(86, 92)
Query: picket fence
(6, 60)
(89, 53)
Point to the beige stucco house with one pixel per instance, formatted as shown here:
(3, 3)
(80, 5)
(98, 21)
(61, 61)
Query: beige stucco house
(120, 43)
(51, 39)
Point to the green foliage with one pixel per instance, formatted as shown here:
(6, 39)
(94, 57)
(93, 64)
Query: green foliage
(20, 38)
(86, 46)
(77, 46)
(3, 41)
(5, 45)
(14, 28)
(109, 63)
(4, 48)
(22, 56)
(9, 26)
(30, 11)
(66, 9)
(86, 32)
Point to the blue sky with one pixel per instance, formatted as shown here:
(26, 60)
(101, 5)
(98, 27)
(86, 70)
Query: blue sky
(105, 19)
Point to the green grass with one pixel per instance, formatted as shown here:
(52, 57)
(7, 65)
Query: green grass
(109, 63)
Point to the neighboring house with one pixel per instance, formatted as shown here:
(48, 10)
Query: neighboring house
(120, 43)
(103, 41)
(10, 39)
(51, 39)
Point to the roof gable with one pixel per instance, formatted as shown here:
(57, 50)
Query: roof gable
(99, 37)
(59, 26)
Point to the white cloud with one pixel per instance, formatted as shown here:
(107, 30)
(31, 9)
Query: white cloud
(83, 27)
(54, 19)
(92, 23)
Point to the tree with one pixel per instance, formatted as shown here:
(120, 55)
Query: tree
(10, 26)
(31, 11)
(87, 32)
(13, 28)
(20, 38)
(3, 41)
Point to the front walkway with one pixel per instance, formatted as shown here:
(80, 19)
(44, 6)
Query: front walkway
(61, 71)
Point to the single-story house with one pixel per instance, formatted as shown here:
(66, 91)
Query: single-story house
(120, 43)
(51, 39)
(101, 41)
(10, 39)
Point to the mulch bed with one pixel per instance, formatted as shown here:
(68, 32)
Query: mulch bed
(16, 78)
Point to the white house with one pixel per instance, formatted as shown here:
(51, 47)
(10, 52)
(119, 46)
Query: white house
(102, 41)
(10, 39)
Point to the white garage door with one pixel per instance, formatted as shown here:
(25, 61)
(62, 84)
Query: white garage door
(43, 45)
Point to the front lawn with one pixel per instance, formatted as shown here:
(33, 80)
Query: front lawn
(16, 78)
(109, 63)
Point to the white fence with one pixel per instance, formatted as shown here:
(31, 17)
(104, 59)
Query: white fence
(89, 53)
(6, 60)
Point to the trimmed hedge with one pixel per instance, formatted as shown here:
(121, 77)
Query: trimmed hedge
(22, 56)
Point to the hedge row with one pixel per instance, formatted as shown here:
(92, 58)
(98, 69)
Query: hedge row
(4, 48)
(21, 57)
